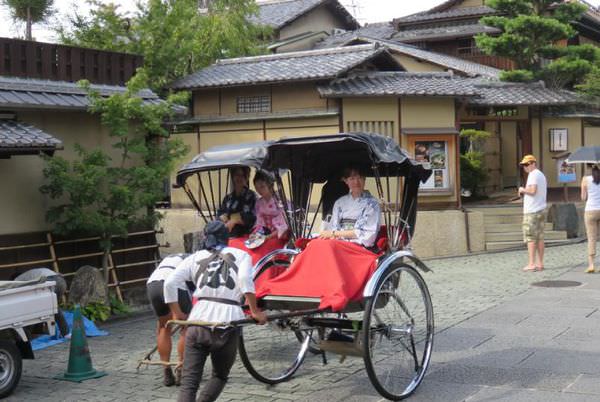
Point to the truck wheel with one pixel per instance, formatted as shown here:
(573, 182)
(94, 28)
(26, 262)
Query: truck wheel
(10, 367)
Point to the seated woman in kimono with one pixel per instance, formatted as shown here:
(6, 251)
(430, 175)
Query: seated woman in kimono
(356, 216)
(336, 266)
(269, 212)
(270, 227)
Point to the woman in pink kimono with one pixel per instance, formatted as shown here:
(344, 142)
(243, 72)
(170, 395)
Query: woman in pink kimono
(270, 221)
(269, 212)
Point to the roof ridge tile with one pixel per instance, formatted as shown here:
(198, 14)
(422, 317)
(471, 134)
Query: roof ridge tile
(297, 54)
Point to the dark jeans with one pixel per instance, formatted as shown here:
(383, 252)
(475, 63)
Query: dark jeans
(221, 345)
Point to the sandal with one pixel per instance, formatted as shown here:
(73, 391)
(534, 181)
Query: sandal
(590, 270)
(529, 269)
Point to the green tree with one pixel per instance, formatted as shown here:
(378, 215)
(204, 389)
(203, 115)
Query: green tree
(531, 33)
(172, 35)
(30, 12)
(473, 173)
(97, 195)
(591, 86)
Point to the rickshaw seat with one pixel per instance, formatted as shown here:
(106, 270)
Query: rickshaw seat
(380, 246)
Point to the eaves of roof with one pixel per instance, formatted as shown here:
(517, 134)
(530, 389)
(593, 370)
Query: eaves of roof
(376, 84)
(288, 114)
(459, 13)
(29, 93)
(17, 138)
(446, 33)
(301, 66)
(522, 94)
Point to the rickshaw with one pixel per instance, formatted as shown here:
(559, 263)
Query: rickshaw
(390, 326)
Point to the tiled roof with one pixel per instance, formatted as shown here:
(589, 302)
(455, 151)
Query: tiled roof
(281, 67)
(43, 94)
(447, 32)
(444, 6)
(453, 13)
(278, 13)
(479, 91)
(515, 94)
(581, 111)
(399, 84)
(379, 30)
(17, 137)
(452, 63)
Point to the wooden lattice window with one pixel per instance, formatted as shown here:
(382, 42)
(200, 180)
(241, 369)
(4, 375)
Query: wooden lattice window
(385, 127)
(253, 104)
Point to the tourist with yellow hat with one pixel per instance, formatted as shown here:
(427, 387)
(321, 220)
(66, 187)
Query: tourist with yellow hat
(534, 217)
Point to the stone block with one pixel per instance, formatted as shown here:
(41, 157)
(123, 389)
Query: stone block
(192, 241)
(564, 217)
(440, 233)
(88, 286)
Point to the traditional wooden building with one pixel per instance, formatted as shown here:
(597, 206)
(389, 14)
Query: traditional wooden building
(450, 28)
(299, 24)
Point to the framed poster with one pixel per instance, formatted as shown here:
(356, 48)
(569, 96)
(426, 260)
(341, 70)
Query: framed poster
(433, 154)
(559, 139)
(566, 172)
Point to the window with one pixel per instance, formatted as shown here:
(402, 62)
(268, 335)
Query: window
(559, 139)
(494, 111)
(253, 104)
(385, 128)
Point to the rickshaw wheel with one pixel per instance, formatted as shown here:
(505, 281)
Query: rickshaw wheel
(398, 332)
(272, 353)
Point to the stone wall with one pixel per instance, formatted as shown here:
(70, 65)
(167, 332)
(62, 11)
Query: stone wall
(443, 233)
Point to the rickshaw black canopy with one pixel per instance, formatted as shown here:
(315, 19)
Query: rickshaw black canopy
(250, 154)
(319, 158)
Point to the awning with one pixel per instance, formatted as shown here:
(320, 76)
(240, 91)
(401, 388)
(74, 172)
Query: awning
(18, 138)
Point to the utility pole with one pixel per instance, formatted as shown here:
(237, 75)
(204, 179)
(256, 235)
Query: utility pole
(355, 8)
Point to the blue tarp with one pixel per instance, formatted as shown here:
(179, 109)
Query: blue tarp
(46, 341)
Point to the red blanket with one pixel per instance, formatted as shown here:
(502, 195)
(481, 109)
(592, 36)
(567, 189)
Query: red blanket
(256, 254)
(334, 270)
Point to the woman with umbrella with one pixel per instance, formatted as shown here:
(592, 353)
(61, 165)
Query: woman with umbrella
(590, 193)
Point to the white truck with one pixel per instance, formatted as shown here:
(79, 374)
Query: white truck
(22, 304)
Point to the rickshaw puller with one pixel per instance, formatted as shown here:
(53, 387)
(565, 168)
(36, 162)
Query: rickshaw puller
(222, 275)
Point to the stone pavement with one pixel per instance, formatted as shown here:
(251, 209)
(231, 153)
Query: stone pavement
(497, 338)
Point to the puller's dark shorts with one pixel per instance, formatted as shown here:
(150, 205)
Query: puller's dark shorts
(157, 299)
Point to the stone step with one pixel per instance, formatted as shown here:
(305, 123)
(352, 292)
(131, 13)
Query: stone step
(503, 210)
(502, 245)
(510, 227)
(518, 236)
(502, 219)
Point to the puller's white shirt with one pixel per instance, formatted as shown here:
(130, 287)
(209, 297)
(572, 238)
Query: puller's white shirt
(219, 281)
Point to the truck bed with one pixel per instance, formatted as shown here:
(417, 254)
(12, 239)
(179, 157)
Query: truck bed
(26, 303)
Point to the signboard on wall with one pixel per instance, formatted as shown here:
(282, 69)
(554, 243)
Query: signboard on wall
(559, 139)
(434, 155)
(566, 172)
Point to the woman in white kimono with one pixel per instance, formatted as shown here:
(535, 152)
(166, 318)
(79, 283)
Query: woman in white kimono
(356, 216)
